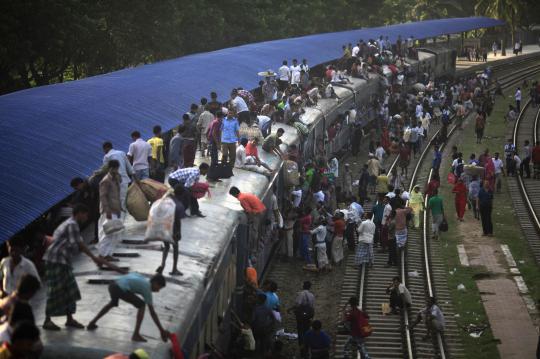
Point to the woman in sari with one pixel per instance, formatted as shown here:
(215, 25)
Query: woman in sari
(461, 198)
(489, 172)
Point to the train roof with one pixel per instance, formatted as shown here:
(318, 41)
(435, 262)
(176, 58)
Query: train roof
(204, 240)
(53, 133)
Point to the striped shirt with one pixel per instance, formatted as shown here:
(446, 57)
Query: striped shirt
(188, 176)
(66, 240)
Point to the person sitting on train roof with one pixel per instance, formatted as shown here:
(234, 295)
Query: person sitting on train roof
(271, 142)
(15, 266)
(251, 162)
(188, 177)
(62, 289)
(126, 288)
(179, 213)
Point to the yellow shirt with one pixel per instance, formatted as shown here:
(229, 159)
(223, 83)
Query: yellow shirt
(157, 148)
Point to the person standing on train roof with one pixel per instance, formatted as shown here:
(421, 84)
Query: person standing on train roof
(214, 138)
(203, 122)
(110, 209)
(126, 288)
(240, 106)
(176, 158)
(229, 137)
(139, 155)
(190, 135)
(62, 289)
(157, 163)
(188, 177)
(125, 170)
(284, 75)
(179, 213)
(214, 105)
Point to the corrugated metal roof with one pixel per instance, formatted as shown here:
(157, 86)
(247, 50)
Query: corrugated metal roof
(52, 133)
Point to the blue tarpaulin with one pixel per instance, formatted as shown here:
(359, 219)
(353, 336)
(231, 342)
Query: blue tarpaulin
(53, 133)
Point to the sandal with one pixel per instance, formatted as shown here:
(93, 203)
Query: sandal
(49, 325)
(74, 324)
(91, 326)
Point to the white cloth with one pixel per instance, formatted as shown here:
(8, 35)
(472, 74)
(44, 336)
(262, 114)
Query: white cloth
(318, 196)
(356, 211)
(517, 96)
(337, 249)
(240, 159)
(295, 74)
(379, 153)
(386, 213)
(498, 164)
(405, 292)
(10, 278)
(366, 231)
(355, 51)
(140, 150)
(125, 169)
(107, 242)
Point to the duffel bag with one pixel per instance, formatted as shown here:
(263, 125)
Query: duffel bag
(219, 170)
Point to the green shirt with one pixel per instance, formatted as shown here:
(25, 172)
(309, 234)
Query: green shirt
(436, 205)
(138, 284)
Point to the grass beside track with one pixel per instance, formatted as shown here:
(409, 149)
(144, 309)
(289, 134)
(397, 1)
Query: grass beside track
(468, 303)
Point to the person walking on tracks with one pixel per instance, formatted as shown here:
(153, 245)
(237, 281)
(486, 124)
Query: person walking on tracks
(485, 204)
(304, 310)
(360, 330)
(435, 205)
(535, 158)
(525, 164)
(317, 342)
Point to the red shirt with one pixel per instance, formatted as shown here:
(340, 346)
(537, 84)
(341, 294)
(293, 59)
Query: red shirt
(214, 129)
(251, 203)
(356, 317)
(251, 150)
(535, 155)
(305, 223)
(339, 227)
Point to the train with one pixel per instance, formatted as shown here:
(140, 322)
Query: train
(215, 251)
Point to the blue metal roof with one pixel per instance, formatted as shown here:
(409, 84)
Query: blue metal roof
(52, 133)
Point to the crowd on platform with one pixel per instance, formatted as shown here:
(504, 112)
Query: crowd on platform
(322, 218)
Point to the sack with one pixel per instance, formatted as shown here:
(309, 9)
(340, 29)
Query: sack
(153, 190)
(199, 189)
(473, 170)
(161, 220)
(137, 203)
(451, 178)
(290, 172)
(111, 226)
(219, 170)
(443, 227)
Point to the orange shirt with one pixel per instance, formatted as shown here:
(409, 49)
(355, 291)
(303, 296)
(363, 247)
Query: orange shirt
(251, 203)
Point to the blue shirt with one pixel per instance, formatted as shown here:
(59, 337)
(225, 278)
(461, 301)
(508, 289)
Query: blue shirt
(272, 300)
(229, 130)
(474, 189)
(314, 340)
(138, 284)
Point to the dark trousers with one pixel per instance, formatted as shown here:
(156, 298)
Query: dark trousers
(518, 106)
(392, 251)
(302, 326)
(189, 200)
(485, 215)
(525, 167)
(213, 147)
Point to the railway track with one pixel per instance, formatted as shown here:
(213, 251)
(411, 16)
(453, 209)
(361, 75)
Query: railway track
(525, 192)
(392, 337)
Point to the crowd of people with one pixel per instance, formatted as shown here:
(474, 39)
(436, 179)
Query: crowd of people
(322, 216)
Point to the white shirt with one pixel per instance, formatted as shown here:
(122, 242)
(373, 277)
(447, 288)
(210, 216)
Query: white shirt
(386, 213)
(355, 51)
(240, 159)
(319, 196)
(295, 78)
(295, 71)
(11, 279)
(320, 234)
(125, 166)
(297, 197)
(517, 96)
(366, 231)
(304, 67)
(239, 104)
(284, 73)
(419, 110)
(498, 164)
(140, 150)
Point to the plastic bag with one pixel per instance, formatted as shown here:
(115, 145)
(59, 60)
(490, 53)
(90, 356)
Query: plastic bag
(161, 220)
(137, 203)
(153, 190)
(443, 227)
